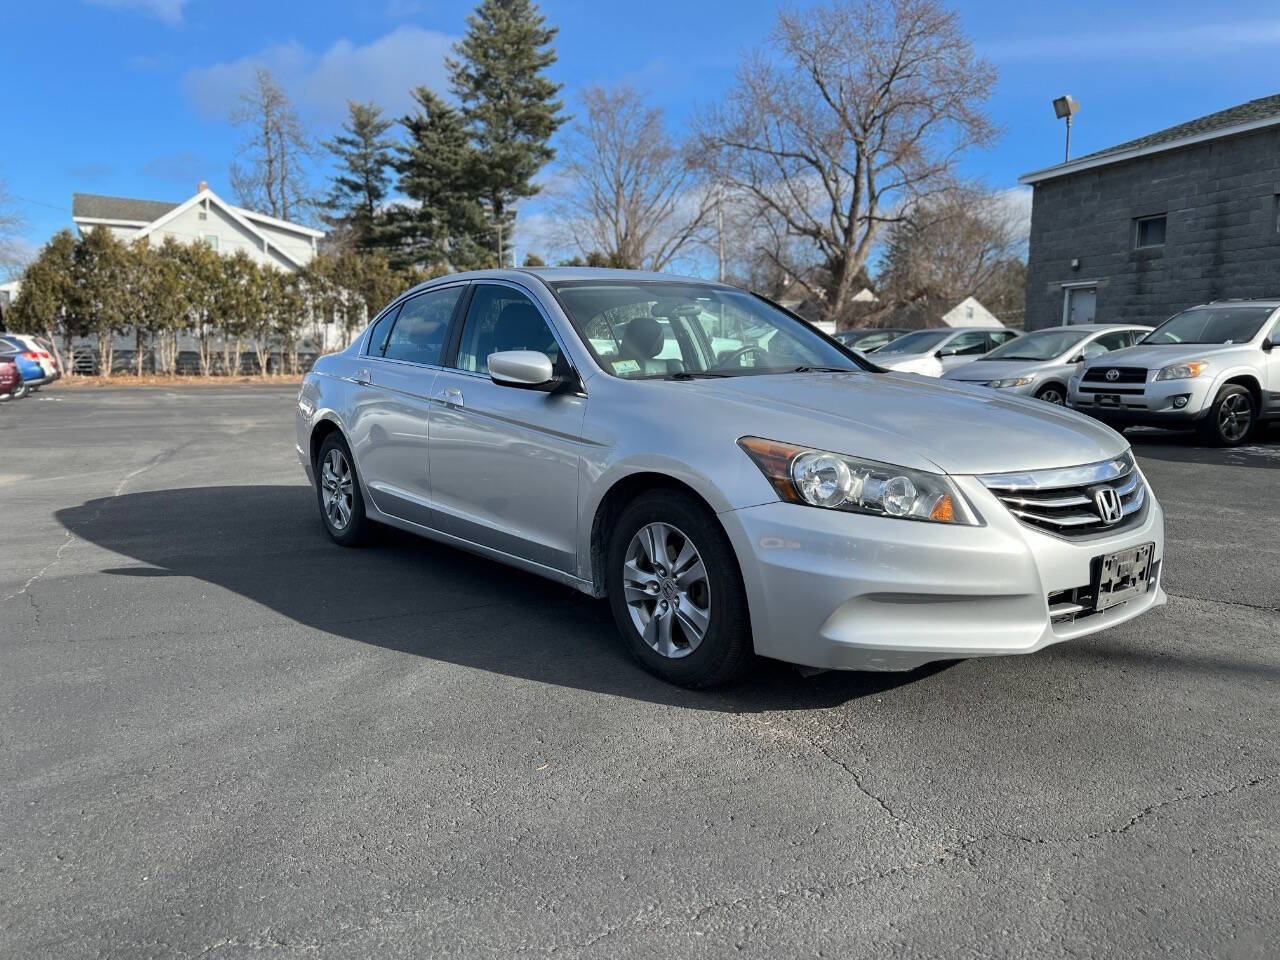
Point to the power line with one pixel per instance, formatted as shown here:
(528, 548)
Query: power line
(39, 203)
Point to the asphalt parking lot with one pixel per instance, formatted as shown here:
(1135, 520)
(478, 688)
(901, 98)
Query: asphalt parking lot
(226, 737)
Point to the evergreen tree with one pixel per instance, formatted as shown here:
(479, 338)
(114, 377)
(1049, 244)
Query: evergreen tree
(363, 156)
(442, 224)
(508, 104)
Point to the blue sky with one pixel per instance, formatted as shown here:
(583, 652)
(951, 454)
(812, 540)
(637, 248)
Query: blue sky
(130, 97)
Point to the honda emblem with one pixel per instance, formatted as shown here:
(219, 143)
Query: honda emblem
(1108, 503)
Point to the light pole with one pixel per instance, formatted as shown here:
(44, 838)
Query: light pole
(1064, 108)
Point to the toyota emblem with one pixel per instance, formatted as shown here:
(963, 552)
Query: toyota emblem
(1113, 375)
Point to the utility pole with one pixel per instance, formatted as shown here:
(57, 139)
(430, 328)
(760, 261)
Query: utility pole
(720, 228)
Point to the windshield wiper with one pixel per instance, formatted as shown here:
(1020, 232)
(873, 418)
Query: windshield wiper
(686, 375)
(822, 370)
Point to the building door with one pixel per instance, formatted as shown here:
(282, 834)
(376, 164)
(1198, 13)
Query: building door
(1081, 304)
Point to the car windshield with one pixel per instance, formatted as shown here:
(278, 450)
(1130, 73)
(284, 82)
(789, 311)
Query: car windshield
(1211, 325)
(1041, 345)
(651, 329)
(922, 341)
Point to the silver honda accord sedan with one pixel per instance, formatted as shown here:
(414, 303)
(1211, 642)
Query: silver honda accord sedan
(735, 482)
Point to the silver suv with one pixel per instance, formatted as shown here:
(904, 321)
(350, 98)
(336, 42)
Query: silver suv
(1212, 367)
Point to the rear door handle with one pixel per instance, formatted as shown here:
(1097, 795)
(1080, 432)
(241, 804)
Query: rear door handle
(362, 375)
(451, 396)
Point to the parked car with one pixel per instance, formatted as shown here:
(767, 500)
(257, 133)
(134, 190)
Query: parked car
(11, 387)
(1039, 364)
(1213, 367)
(866, 339)
(29, 366)
(934, 352)
(37, 346)
(791, 500)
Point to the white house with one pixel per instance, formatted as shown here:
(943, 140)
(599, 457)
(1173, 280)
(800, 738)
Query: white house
(970, 313)
(204, 218)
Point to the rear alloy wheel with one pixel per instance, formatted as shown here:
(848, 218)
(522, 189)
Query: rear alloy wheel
(1230, 419)
(676, 592)
(338, 490)
(20, 391)
(1052, 393)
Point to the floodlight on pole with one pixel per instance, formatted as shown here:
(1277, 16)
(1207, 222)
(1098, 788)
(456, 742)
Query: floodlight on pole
(1064, 108)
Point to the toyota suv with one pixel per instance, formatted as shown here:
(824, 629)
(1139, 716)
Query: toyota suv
(1212, 367)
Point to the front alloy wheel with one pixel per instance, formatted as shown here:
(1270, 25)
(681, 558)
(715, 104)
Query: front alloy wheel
(1052, 393)
(1230, 419)
(676, 591)
(667, 590)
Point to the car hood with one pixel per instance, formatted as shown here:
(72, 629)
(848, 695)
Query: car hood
(903, 419)
(1154, 356)
(980, 371)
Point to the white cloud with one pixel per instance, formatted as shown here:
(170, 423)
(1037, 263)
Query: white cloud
(383, 71)
(169, 11)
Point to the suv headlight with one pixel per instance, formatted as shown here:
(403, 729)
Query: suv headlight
(1011, 382)
(820, 478)
(1182, 371)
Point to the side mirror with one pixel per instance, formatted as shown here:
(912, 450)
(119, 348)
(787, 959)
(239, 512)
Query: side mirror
(528, 369)
(938, 354)
(1268, 344)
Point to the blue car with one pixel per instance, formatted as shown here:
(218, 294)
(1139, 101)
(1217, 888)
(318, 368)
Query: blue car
(33, 374)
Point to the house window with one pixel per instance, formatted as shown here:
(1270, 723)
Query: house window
(1149, 231)
(211, 240)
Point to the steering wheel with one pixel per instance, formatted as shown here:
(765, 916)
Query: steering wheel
(740, 353)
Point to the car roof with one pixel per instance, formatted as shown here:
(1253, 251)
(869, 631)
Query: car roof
(1093, 327)
(551, 275)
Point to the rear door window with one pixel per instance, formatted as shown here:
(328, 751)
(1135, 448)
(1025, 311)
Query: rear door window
(418, 333)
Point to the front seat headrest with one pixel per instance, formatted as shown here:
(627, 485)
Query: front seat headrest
(643, 338)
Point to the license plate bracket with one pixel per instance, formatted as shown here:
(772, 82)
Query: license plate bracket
(1122, 575)
(1108, 399)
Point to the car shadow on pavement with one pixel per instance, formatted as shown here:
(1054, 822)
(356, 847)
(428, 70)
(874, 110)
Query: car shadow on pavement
(404, 593)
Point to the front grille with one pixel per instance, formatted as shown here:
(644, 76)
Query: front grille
(1099, 373)
(1066, 502)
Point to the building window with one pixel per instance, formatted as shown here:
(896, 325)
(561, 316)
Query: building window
(1149, 231)
(211, 240)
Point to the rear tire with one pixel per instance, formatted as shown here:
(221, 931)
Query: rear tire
(338, 493)
(20, 391)
(676, 591)
(1231, 418)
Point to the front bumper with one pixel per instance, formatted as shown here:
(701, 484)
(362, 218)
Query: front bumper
(846, 591)
(1154, 403)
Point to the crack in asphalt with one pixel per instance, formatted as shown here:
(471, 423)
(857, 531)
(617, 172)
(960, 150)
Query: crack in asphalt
(1232, 603)
(70, 538)
(862, 787)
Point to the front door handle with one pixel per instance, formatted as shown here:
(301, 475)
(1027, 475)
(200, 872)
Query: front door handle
(451, 396)
(362, 375)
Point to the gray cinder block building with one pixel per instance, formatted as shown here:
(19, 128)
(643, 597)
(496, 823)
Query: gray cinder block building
(1142, 230)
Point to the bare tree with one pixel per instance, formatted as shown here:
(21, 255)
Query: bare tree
(632, 194)
(11, 225)
(863, 108)
(276, 147)
(947, 247)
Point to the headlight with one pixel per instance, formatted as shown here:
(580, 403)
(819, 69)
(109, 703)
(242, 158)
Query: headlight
(1182, 371)
(1011, 382)
(823, 479)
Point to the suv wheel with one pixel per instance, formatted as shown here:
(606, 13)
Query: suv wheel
(676, 592)
(338, 493)
(1230, 419)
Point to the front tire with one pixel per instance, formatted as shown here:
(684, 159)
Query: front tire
(676, 591)
(1231, 417)
(1052, 393)
(338, 493)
